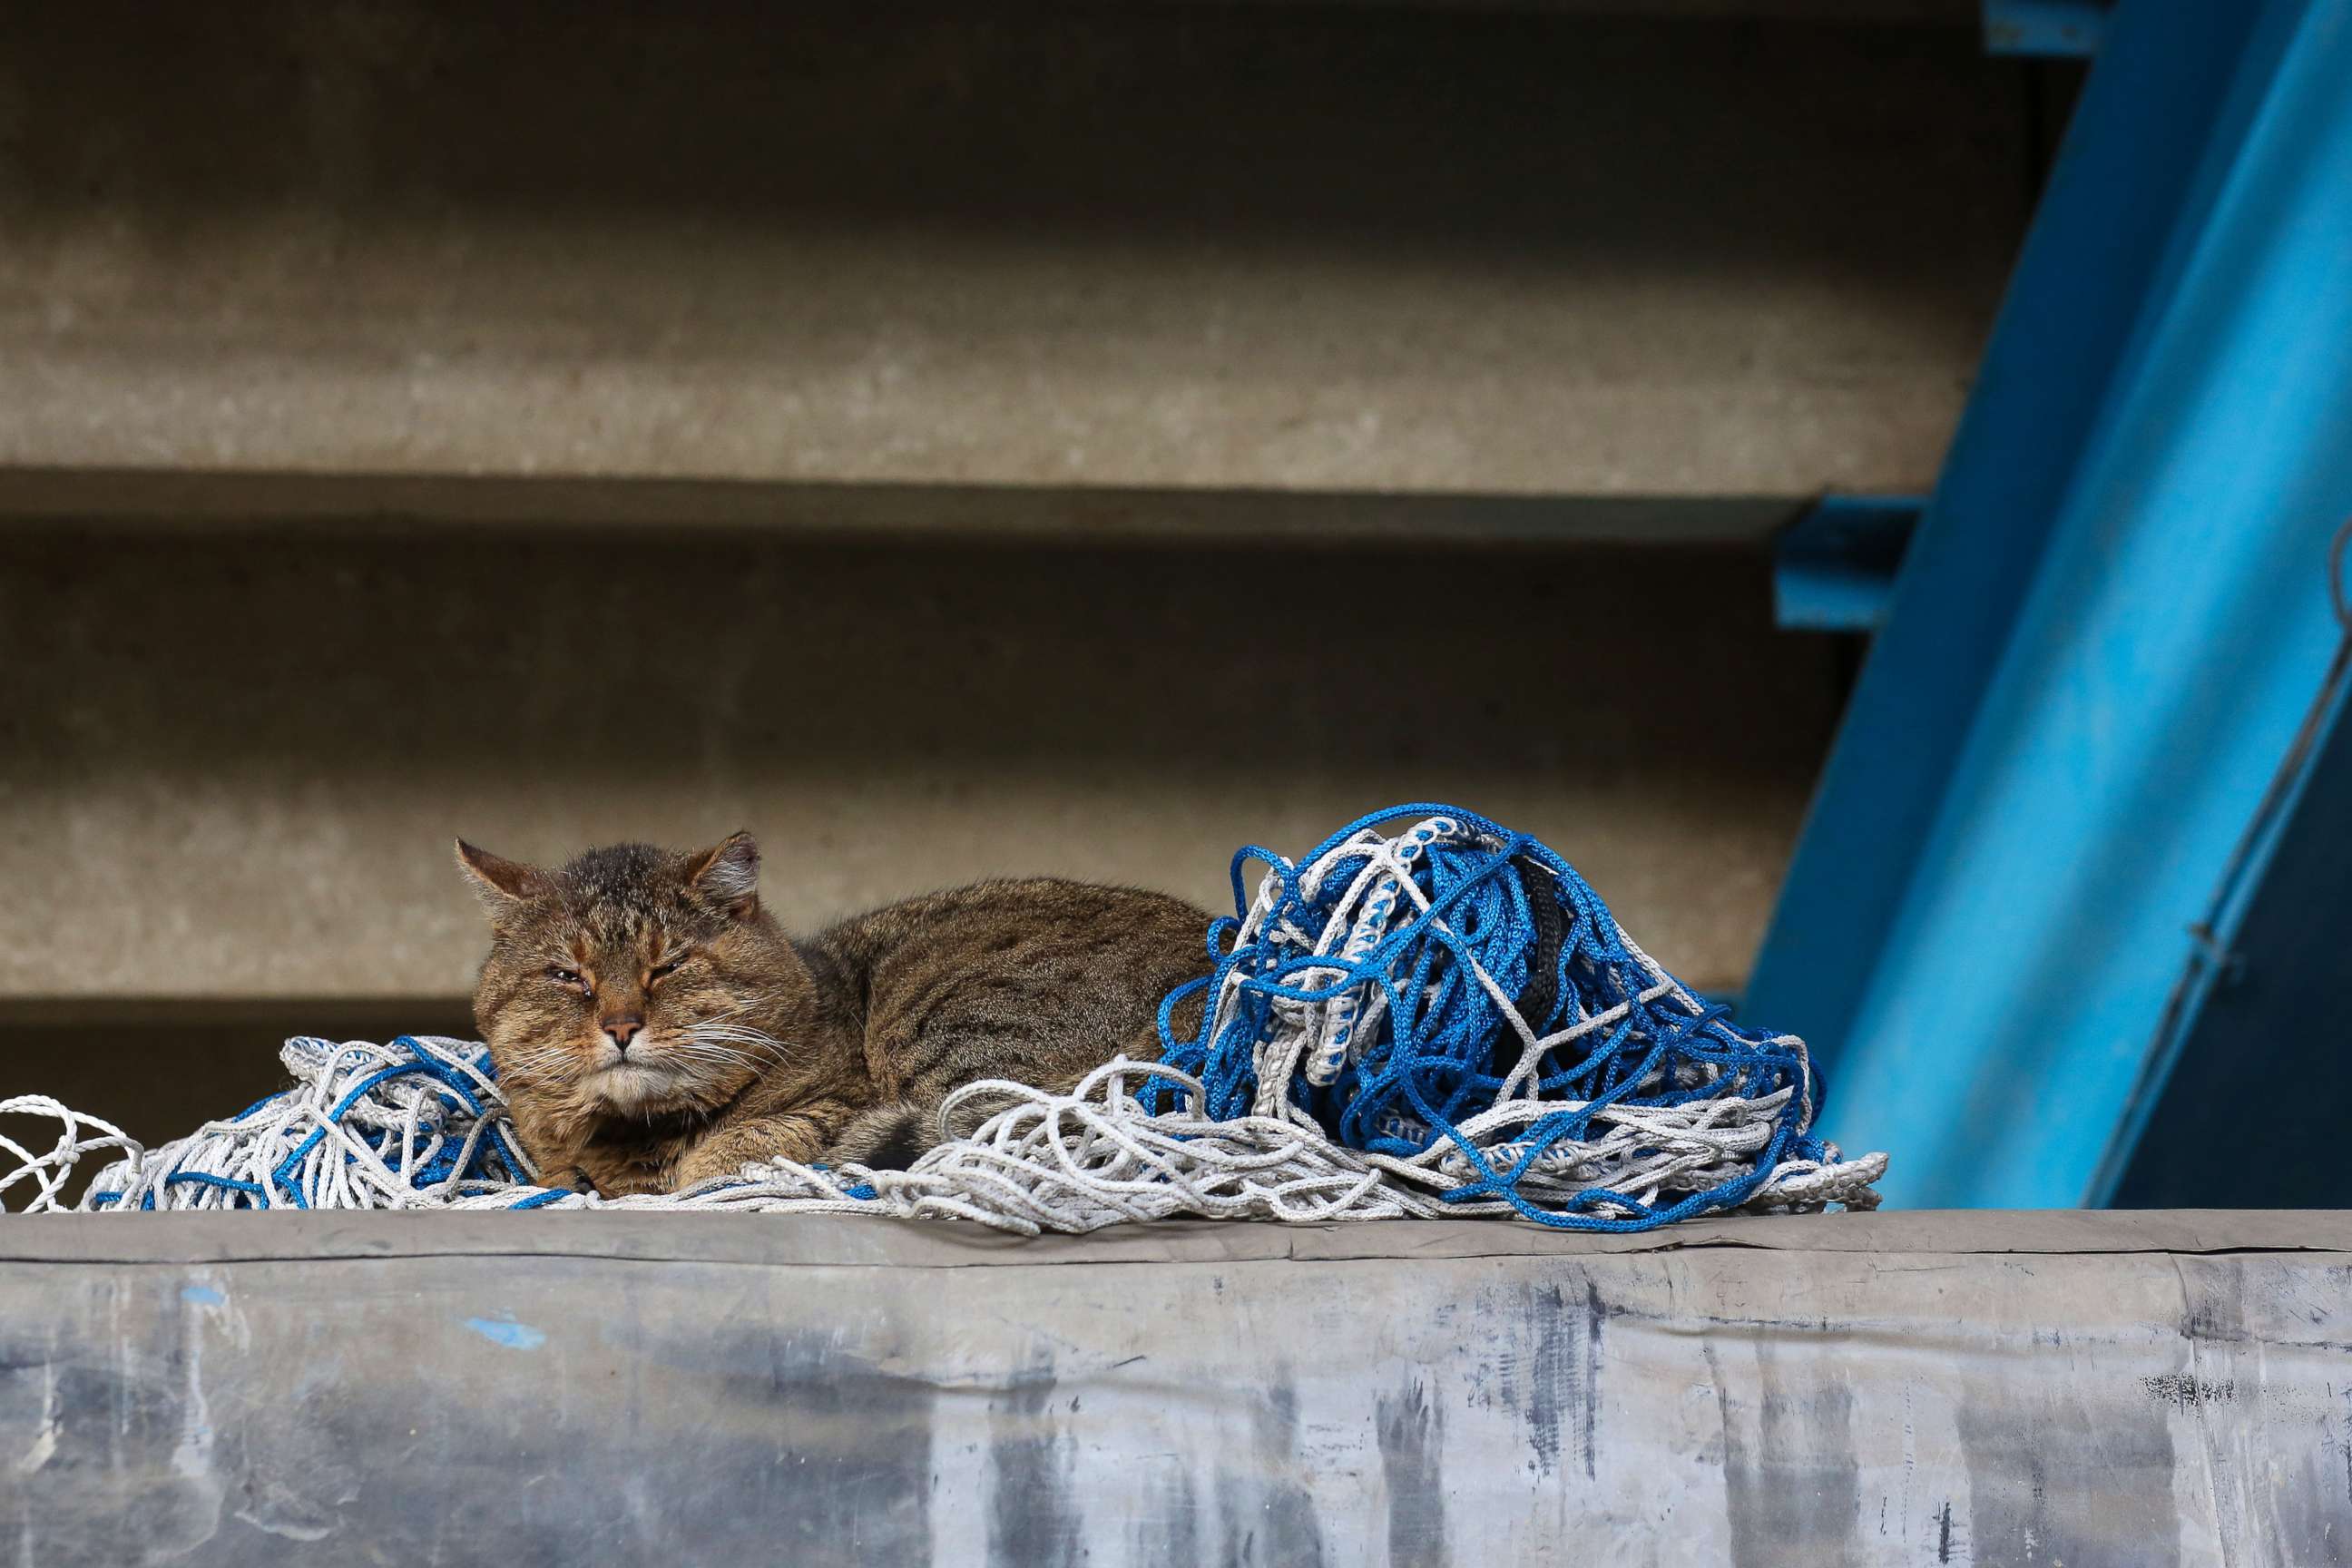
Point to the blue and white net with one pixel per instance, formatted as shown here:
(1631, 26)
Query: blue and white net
(1454, 1005)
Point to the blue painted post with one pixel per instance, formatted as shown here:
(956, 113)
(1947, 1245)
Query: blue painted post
(2173, 624)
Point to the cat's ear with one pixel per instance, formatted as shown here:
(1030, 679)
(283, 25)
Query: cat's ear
(499, 882)
(728, 877)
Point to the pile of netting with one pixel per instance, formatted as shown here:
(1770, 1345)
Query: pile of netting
(1445, 1022)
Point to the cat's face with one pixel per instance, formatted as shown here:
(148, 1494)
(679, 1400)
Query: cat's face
(632, 982)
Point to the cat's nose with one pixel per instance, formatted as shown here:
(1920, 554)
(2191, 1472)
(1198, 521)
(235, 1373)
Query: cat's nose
(621, 1031)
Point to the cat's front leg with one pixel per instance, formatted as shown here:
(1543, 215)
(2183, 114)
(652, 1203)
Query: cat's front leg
(795, 1135)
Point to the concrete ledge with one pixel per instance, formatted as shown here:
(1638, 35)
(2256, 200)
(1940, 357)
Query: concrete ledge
(841, 1241)
(215, 502)
(1974, 1388)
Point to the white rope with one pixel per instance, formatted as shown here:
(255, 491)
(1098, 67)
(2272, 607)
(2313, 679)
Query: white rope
(82, 1137)
(414, 1139)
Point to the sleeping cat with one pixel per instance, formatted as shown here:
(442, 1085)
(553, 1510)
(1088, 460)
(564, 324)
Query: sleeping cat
(653, 1027)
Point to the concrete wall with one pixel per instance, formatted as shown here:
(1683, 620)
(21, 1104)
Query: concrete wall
(943, 440)
(1301, 247)
(1874, 1391)
(248, 786)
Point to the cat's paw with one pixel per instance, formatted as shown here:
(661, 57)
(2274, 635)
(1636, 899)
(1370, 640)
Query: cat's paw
(695, 1169)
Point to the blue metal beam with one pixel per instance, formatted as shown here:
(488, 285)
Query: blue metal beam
(2121, 181)
(2049, 30)
(2108, 628)
(1833, 569)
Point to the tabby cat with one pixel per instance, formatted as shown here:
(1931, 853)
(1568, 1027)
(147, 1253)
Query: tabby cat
(653, 1027)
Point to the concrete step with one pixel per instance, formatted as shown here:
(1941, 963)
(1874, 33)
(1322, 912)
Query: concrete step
(1290, 248)
(234, 763)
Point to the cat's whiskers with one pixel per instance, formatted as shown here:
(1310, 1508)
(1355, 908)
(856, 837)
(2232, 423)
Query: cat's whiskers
(536, 1064)
(692, 1042)
(704, 1061)
(725, 1022)
(703, 1067)
(761, 1048)
(720, 1028)
(737, 1038)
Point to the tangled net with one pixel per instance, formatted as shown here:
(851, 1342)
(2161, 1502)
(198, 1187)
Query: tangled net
(1445, 1022)
(1457, 1006)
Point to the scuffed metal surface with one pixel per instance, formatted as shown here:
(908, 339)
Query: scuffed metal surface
(1179, 1394)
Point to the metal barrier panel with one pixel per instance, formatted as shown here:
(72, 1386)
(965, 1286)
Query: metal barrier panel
(1955, 1388)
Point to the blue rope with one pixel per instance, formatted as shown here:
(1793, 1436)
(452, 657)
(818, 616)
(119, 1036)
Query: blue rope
(1443, 1050)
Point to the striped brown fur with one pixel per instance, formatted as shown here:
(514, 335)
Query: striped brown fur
(743, 1043)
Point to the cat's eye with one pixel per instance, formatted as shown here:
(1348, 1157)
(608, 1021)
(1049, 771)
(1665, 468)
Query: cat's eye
(662, 971)
(562, 977)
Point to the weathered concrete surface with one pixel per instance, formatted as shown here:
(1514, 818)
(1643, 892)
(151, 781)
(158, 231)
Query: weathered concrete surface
(230, 767)
(1985, 1389)
(1291, 247)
